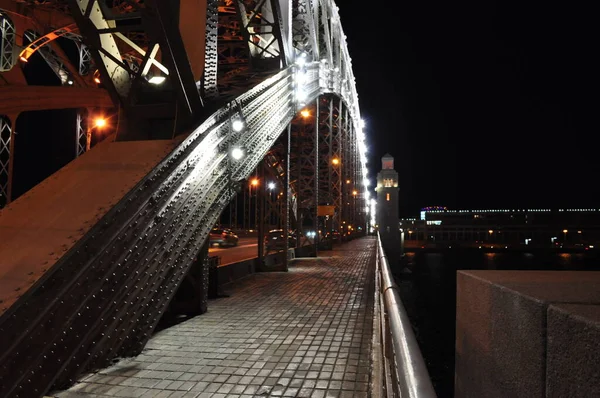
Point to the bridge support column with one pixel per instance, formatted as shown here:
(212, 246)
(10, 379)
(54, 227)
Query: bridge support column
(270, 211)
(285, 211)
(306, 175)
(7, 156)
(260, 203)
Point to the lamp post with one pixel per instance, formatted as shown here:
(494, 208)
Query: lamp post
(253, 183)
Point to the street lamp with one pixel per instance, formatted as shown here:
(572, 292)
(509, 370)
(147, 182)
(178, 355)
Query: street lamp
(100, 122)
(565, 234)
(253, 183)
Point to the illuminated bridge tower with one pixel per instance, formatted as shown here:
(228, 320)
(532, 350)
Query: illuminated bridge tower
(387, 196)
(387, 210)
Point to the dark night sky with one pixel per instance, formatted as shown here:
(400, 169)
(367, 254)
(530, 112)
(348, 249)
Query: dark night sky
(482, 104)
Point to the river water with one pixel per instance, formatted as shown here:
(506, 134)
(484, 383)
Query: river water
(429, 296)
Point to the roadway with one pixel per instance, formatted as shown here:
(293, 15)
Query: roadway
(247, 248)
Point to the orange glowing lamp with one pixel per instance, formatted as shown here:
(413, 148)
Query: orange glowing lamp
(100, 122)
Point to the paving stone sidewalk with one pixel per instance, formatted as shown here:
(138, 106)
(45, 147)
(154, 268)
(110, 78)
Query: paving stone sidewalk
(302, 333)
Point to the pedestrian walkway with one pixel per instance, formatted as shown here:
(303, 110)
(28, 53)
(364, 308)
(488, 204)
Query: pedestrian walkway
(303, 333)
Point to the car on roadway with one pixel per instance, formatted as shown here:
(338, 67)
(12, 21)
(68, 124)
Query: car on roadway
(222, 237)
(274, 240)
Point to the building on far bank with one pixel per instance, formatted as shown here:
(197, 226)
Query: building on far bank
(533, 227)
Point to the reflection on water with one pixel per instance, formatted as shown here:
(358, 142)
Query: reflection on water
(429, 295)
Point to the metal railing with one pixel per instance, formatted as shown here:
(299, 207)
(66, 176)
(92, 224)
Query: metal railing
(404, 373)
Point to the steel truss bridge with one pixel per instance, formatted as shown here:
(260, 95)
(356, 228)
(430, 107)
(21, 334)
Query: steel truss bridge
(203, 94)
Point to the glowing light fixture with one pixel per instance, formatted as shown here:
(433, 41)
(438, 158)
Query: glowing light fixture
(271, 185)
(335, 161)
(301, 95)
(237, 153)
(301, 60)
(157, 79)
(100, 122)
(305, 113)
(254, 182)
(237, 125)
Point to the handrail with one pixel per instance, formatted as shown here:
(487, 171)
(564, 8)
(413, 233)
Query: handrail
(406, 373)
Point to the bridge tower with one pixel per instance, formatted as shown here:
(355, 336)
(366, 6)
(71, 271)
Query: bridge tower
(387, 196)
(387, 209)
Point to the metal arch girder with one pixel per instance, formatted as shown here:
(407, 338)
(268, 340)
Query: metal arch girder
(209, 79)
(173, 47)
(90, 20)
(304, 30)
(285, 24)
(55, 63)
(85, 59)
(324, 36)
(261, 27)
(41, 41)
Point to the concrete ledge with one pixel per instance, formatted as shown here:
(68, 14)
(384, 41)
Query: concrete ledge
(573, 351)
(501, 336)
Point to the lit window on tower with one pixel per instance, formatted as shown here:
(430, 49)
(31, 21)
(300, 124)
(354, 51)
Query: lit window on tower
(387, 197)
(388, 182)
